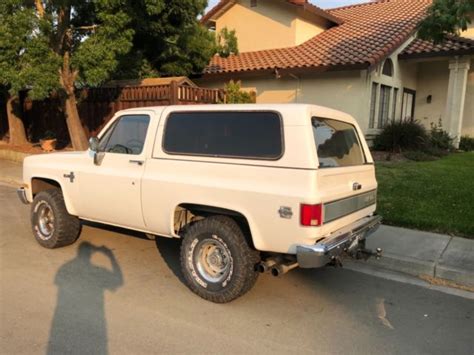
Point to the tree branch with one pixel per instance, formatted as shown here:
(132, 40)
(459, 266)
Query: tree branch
(39, 8)
(85, 28)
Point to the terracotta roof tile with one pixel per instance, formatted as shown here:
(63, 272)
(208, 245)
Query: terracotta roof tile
(370, 32)
(450, 46)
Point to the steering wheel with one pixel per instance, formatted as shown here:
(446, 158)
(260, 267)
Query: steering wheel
(135, 145)
(120, 149)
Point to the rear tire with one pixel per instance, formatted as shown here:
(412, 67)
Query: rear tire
(217, 262)
(52, 225)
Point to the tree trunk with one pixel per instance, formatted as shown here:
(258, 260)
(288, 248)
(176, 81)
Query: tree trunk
(74, 125)
(15, 124)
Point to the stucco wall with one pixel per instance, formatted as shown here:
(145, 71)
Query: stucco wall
(345, 91)
(433, 79)
(270, 24)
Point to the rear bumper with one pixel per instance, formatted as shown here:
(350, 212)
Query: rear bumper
(346, 239)
(22, 195)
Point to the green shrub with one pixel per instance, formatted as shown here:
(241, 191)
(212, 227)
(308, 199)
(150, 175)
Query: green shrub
(435, 151)
(467, 143)
(235, 95)
(439, 138)
(402, 135)
(418, 155)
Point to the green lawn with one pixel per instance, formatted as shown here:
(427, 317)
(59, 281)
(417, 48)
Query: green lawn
(434, 196)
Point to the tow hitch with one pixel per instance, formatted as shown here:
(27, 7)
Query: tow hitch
(365, 253)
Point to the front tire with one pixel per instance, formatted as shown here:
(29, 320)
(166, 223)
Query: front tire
(216, 260)
(52, 225)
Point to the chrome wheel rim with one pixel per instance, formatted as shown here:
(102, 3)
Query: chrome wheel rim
(45, 220)
(213, 260)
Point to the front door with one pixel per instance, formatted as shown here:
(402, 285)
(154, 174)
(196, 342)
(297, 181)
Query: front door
(110, 191)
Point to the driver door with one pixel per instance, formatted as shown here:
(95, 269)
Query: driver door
(110, 191)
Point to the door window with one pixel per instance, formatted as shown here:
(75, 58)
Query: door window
(126, 136)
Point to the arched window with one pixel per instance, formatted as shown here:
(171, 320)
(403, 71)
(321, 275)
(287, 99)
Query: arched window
(387, 67)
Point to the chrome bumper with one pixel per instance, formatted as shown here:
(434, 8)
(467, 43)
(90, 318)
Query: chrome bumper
(347, 239)
(22, 195)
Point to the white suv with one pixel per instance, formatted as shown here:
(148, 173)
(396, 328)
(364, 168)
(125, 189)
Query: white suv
(248, 188)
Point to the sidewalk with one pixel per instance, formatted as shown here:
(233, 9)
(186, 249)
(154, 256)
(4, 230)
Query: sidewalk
(423, 254)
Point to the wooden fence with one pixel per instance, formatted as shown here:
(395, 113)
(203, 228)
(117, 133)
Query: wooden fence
(97, 106)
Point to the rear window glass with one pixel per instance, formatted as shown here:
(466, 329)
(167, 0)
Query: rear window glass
(337, 143)
(247, 135)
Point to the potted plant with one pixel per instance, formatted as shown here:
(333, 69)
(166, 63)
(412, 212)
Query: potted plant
(48, 142)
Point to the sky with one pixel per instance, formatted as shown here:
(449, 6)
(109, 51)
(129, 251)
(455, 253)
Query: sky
(325, 4)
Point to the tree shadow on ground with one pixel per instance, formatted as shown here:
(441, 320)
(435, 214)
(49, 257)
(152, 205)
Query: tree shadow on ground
(79, 324)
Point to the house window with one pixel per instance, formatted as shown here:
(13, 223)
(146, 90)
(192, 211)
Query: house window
(387, 67)
(384, 105)
(408, 104)
(373, 102)
(394, 105)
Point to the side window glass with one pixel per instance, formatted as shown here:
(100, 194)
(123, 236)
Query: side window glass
(337, 143)
(127, 136)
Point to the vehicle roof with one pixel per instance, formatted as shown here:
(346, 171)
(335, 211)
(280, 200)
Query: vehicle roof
(293, 114)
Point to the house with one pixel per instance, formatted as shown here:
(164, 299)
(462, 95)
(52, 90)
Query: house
(363, 59)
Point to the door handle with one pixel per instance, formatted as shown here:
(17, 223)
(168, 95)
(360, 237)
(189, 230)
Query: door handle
(356, 186)
(138, 162)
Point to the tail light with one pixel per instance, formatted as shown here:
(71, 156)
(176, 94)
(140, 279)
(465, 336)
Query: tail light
(311, 215)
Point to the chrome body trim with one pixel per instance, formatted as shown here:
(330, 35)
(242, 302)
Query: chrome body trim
(343, 207)
(343, 240)
(22, 195)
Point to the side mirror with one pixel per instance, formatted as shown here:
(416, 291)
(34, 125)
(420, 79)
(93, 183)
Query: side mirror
(94, 144)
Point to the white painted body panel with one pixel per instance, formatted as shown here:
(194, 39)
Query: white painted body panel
(145, 197)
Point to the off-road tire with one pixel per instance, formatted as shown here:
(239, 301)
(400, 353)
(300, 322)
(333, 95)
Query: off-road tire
(66, 228)
(242, 275)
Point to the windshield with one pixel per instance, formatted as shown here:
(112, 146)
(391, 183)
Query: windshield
(337, 143)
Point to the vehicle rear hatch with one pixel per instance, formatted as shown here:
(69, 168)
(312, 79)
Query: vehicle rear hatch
(346, 180)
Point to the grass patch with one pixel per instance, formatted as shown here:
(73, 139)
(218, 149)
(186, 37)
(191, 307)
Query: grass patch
(434, 196)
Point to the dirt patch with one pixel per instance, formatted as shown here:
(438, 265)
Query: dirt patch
(442, 282)
(29, 148)
(381, 156)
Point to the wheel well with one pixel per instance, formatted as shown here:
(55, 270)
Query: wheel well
(187, 213)
(42, 184)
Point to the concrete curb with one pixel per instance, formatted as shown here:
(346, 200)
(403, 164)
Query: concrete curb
(437, 256)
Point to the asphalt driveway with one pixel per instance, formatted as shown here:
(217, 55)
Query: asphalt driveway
(117, 292)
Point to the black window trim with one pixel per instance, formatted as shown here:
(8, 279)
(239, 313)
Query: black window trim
(113, 125)
(366, 162)
(282, 136)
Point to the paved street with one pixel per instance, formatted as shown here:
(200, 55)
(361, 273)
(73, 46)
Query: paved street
(73, 299)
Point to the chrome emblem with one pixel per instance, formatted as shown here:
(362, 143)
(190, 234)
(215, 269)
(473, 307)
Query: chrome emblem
(285, 212)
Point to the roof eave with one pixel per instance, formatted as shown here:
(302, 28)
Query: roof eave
(434, 54)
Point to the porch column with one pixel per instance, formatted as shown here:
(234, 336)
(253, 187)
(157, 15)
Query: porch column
(454, 111)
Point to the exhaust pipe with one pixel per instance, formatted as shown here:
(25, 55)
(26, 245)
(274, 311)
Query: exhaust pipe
(266, 265)
(281, 269)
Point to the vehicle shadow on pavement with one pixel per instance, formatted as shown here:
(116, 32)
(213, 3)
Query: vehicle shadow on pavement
(169, 249)
(79, 324)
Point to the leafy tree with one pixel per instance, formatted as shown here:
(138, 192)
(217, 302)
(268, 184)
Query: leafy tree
(25, 61)
(226, 43)
(445, 17)
(235, 94)
(169, 40)
(77, 41)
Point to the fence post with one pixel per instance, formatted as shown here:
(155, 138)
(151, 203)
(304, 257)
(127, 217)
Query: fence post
(173, 92)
